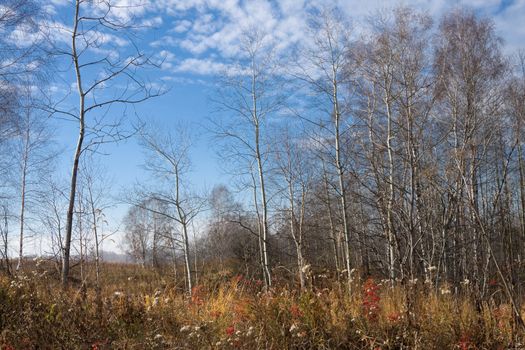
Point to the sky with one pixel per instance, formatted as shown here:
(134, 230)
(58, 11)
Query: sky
(195, 40)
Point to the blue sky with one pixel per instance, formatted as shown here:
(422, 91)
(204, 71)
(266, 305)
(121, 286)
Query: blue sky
(196, 39)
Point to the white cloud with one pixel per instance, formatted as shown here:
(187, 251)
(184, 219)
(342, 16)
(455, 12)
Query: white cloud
(165, 41)
(182, 26)
(23, 37)
(166, 59)
(204, 24)
(509, 25)
(152, 22)
(210, 31)
(167, 55)
(60, 2)
(183, 80)
(201, 66)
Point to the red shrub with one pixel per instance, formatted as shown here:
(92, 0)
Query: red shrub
(370, 304)
(230, 330)
(464, 342)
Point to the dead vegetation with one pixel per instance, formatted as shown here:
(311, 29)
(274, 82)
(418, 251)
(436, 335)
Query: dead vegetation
(140, 308)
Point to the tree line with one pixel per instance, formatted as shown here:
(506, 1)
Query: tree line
(394, 152)
(392, 148)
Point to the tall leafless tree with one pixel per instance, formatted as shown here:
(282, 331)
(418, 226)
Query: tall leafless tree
(101, 42)
(35, 156)
(251, 93)
(294, 168)
(326, 66)
(168, 158)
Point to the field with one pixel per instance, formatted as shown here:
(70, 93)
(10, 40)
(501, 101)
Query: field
(142, 308)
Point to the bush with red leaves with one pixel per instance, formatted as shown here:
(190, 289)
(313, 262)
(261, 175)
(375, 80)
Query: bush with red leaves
(371, 299)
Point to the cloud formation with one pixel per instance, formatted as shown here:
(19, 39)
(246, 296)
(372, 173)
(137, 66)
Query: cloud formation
(204, 34)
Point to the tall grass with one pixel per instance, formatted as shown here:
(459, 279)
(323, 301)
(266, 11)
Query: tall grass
(142, 309)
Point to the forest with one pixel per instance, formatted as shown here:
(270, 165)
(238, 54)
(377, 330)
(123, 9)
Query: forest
(375, 195)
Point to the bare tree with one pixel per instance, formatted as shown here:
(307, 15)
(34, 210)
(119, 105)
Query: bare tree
(20, 35)
(294, 168)
(515, 105)
(325, 66)
(97, 47)
(137, 233)
(250, 95)
(96, 186)
(35, 156)
(469, 65)
(168, 159)
(226, 238)
(4, 235)
(396, 100)
(21, 61)
(51, 216)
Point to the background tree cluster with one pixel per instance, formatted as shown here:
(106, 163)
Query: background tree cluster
(395, 152)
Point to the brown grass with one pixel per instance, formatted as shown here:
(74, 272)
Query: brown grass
(142, 309)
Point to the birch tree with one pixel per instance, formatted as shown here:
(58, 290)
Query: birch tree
(168, 158)
(21, 62)
(396, 99)
(250, 94)
(35, 155)
(325, 66)
(469, 65)
(295, 170)
(105, 67)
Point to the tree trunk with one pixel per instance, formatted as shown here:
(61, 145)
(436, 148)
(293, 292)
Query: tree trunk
(23, 203)
(264, 202)
(78, 151)
(341, 174)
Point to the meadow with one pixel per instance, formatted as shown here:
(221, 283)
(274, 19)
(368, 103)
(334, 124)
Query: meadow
(144, 308)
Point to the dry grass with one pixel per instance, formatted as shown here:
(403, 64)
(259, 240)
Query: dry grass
(141, 309)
